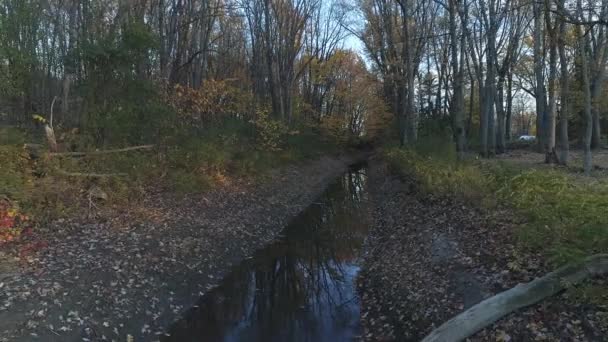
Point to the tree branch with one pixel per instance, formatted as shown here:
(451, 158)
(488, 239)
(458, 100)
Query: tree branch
(93, 153)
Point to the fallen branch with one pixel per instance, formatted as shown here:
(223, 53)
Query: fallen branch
(90, 175)
(492, 309)
(92, 153)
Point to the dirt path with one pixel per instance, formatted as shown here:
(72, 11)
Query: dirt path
(428, 259)
(100, 281)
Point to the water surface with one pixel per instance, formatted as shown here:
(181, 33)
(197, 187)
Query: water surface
(299, 288)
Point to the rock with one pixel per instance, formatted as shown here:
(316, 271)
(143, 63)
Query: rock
(97, 194)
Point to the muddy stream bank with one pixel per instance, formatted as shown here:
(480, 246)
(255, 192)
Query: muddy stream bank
(109, 281)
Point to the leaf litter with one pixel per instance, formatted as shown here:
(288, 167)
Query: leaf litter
(429, 258)
(130, 276)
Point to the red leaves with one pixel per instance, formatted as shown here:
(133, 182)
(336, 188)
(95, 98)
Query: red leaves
(6, 221)
(11, 221)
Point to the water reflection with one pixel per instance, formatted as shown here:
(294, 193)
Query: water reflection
(300, 288)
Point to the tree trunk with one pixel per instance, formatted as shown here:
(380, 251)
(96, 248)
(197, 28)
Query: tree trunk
(492, 309)
(483, 118)
(471, 106)
(411, 118)
(457, 106)
(596, 141)
(500, 117)
(538, 73)
(65, 96)
(583, 48)
(549, 146)
(509, 113)
(564, 144)
(162, 40)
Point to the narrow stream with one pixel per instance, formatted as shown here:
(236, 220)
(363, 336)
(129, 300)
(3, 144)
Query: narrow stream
(299, 288)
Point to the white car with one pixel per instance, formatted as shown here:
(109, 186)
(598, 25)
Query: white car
(527, 138)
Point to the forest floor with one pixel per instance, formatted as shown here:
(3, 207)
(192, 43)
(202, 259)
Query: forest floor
(429, 257)
(528, 158)
(134, 273)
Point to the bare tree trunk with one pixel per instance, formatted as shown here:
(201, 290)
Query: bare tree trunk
(509, 113)
(411, 119)
(596, 90)
(457, 106)
(471, 106)
(65, 94)
(491, 81)
(162, 40)
(500, 117)
(583, 48)
(564, 144)
(488, 91)
(596, 141)
(539, 91)
(483, 117)
(549, 141)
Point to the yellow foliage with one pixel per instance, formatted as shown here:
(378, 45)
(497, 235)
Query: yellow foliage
(39, 118)
(270, 132)
(212, 102)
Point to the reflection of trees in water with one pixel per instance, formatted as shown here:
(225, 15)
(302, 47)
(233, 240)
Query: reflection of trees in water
(296, 286)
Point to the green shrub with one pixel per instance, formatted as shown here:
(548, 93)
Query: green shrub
(565, 218)
(435, 175)
(186, 182)
(13, 173)
(12, 136)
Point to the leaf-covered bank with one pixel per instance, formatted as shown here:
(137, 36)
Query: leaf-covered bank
(562, 216)
(109, 280)
(46, 186)
(436, 249)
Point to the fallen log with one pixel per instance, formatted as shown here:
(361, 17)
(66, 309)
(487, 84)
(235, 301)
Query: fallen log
(93, 153)
(492, 309)
(89, 175)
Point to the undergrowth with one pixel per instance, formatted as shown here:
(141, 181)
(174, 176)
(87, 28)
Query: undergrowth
(566, 218)
(188, 162)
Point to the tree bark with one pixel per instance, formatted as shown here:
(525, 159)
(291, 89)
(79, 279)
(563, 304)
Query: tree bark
(500, 117)
(492, 309)
(457, 105)
(583, 49)
(551, 113)
(411, 119)
(540, 91)
(509, 113)
(564, 144)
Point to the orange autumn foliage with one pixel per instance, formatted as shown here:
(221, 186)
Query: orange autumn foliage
(214, 101)
(12, 221)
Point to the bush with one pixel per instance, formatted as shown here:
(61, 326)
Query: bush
(12, 221)
(11, 136)
(13, 173)
(436, 175)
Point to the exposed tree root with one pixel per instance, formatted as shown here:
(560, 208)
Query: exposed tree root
(492, 309)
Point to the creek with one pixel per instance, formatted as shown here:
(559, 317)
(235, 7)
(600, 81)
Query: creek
(301, 287)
